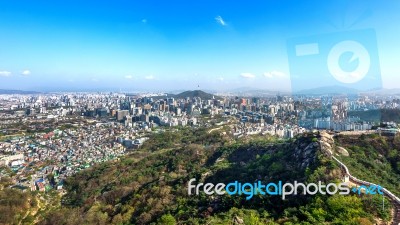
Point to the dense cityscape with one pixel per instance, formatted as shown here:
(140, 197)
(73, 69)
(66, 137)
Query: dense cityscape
(48, 137)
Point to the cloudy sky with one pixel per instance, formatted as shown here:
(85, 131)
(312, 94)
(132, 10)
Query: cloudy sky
(171, 45)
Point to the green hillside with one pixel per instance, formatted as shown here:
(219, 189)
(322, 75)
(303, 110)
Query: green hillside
(150, 186)
(374, 158)
(195, 93)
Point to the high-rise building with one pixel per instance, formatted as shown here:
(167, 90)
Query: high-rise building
(121, 114)
(101, 112)
(144, 118)
(178, 111)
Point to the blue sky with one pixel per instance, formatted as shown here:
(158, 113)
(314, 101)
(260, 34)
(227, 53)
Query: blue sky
(170, 45)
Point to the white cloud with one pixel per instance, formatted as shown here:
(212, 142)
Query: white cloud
(247, 75)
(274, 74)
(95, 80)
(220, 78)
(129, 77)
(5, 73)
(220, 20)
(144, 21)
(150, 77)
(26, 73)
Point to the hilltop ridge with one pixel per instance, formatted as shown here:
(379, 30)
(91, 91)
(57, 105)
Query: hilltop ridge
(196, 93)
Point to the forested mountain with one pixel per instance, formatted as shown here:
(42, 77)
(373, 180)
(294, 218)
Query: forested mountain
(149, 186)
(195, 93)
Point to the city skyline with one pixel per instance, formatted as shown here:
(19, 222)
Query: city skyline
(175, 45)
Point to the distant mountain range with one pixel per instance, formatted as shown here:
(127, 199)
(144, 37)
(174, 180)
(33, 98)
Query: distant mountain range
(250, 92)
(340, 90)
(385, 91)
(328, 90)
(10, 92)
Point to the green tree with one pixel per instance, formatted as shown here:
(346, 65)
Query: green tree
(392, 153)
(253, 219)
(117, 220)
(345, 208)
(167, 219)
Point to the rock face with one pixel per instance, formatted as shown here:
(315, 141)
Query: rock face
(327, 143)
(238, 220)
(305, 152)
(326, 148)
(342, 151)
(325, 137)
